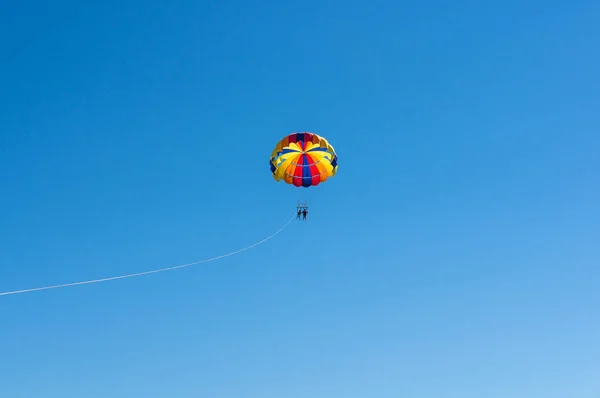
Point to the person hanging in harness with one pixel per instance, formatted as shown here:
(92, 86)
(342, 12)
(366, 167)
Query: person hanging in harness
(304, 213)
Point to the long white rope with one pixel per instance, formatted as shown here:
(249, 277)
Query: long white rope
(150, 272)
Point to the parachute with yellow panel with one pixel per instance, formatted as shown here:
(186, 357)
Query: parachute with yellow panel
(303, 160)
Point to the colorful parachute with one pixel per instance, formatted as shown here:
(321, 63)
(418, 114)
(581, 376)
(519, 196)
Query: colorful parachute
(303, 159)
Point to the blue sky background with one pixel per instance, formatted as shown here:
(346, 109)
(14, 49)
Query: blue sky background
(454, 255)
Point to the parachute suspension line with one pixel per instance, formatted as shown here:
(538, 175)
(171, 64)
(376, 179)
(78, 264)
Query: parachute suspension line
(153, 271)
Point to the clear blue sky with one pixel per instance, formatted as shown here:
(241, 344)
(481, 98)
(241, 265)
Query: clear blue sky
(454, 255)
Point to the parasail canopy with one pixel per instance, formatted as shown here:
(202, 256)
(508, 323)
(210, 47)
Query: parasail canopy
(303, 160)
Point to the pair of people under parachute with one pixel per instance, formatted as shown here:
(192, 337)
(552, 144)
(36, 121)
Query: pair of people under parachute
(302, 213)
(303, 160)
